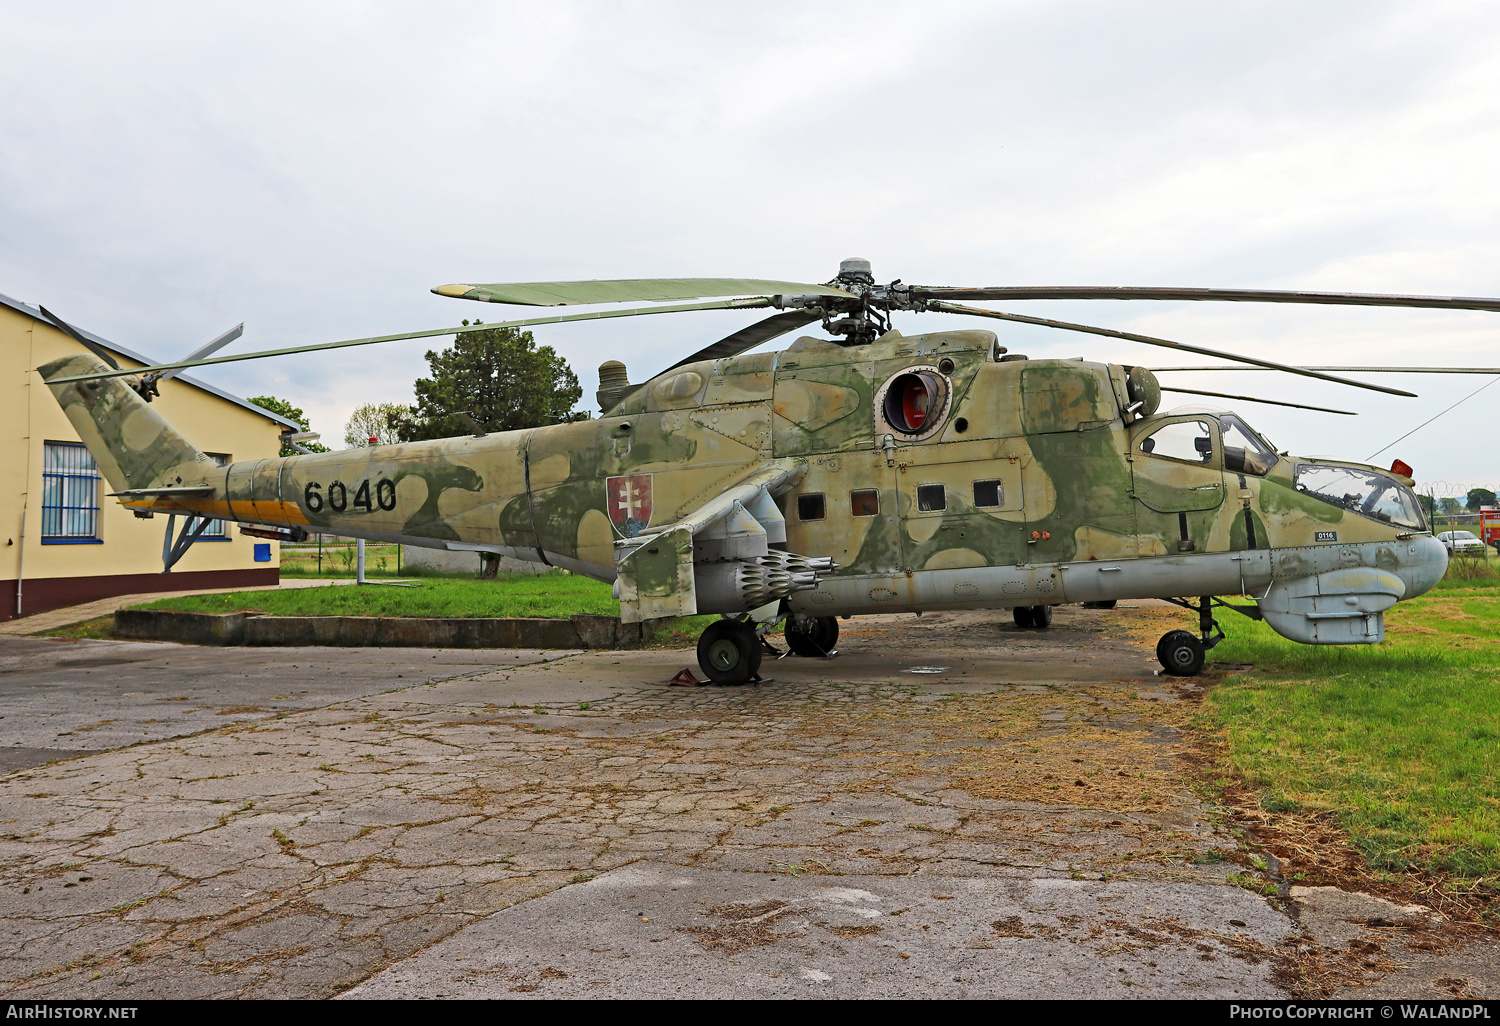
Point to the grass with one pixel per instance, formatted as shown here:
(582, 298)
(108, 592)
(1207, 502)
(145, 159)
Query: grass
(544, 595)
(1400, 740)
(548, 596)
(88, 630)
(338, 560)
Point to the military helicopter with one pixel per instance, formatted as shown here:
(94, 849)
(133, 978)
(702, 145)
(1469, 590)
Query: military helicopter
(871, 472)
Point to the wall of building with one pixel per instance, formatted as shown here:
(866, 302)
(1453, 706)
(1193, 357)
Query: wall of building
(463, 562)
(127, 556)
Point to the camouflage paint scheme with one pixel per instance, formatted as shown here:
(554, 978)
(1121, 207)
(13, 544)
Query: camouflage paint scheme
(1082, 512)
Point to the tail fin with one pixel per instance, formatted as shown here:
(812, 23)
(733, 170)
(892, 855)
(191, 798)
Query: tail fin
(132, 444)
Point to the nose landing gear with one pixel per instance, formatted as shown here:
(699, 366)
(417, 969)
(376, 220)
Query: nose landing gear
(1179, 652)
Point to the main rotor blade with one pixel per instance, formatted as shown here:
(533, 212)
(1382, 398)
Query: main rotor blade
(207, 349)
(629, 290)
(731, 304)
(1253, 399)
(1148, 340)
(1007, 292)
(73, 333)
(1370, 370)
(749, 337)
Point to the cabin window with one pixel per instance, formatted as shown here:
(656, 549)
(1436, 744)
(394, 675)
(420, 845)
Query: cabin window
(1190, 440)
(931, 498)
(70, 495)
(865, 502)
(1245, 452)
(988, 493)
(810, 507)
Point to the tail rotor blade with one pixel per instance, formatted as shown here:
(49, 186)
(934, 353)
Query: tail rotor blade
(205, 350)
(1165, 343)
(73, 333)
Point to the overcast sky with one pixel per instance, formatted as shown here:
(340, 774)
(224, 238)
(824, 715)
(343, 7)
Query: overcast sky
(312, 169)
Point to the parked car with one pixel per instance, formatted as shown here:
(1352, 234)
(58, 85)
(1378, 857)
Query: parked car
(1461, 543)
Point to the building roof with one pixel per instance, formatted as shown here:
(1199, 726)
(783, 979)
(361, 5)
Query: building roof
(35, 314)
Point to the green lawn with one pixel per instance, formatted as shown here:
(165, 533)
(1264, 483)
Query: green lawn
(338, 557)
(544, 595)
(553, 595)
(1401, 739)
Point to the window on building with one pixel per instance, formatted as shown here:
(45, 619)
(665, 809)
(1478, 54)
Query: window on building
(988, 493)
(217, 530)
(865, 502)
(810, 507)
(70, 494)
(931, 498)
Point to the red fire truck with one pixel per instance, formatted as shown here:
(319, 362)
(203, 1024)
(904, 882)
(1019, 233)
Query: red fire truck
(1489, 525)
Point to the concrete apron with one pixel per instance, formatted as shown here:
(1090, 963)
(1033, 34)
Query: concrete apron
(951, 807)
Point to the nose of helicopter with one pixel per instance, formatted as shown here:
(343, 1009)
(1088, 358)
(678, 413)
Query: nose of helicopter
(1423, 566)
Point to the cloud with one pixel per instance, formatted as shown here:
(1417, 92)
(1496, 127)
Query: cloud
(170, 169)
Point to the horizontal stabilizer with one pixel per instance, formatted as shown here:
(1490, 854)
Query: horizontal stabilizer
(179, 490)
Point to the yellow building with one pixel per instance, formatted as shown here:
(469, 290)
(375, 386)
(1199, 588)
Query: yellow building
(66, 541)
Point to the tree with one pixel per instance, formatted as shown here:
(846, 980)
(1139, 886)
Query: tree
(1451, 505)
(1481, 497)
(374, 420)
(290, 412)
(499, 377)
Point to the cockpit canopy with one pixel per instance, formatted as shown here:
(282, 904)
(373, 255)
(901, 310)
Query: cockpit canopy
(1366, 492)
(1192, 441)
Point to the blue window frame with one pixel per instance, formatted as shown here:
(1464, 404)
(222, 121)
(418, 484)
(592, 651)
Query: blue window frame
(70, 495)
(217, 530)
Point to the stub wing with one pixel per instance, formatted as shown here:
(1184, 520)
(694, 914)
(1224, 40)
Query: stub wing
(718, 559)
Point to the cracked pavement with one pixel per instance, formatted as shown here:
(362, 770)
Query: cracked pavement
(1007, 809)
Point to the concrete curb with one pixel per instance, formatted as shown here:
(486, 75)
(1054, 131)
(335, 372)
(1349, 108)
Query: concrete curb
(581, 631)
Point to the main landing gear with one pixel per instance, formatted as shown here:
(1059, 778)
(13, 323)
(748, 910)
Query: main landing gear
(730, 650)
(1179, 652)
(1032, 616)
(812, 636)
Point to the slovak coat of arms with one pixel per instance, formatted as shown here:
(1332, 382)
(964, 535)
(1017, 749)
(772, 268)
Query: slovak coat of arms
(629, 501)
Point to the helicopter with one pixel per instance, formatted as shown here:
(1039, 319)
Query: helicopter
(869, 472)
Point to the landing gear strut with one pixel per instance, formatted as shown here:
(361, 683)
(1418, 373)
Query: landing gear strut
(1179, 652)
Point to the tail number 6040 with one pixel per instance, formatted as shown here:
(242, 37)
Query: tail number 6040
(338, 499)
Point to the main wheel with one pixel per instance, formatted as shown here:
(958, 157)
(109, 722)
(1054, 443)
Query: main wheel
(729, 652)
(1033, 616)
(812, 636)
(1180, 653)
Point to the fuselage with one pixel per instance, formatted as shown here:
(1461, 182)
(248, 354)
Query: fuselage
(1019, 482)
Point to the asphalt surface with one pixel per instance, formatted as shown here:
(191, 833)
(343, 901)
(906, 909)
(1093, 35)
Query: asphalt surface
(951, 807)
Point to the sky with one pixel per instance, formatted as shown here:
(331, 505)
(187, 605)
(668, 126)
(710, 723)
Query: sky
(168, 170)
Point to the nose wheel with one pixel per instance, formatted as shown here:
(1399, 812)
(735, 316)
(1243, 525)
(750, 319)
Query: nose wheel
(1183, 654)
